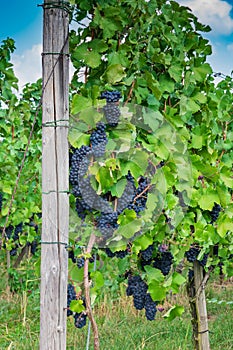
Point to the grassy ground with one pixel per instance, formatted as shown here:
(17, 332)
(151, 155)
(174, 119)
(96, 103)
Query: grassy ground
(121, 327)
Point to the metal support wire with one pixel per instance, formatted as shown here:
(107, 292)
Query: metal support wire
(64, 5)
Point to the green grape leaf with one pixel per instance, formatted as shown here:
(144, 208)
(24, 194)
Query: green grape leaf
(118, 188)
(76, 274)
(201, 72)
(142, 242)
(153, 274)
(105, 178)
(126, 217)
(157, 291)
(114, 74)
(77, 305)
(130, 229)
(90, 57)
(98, 279)
(208, 198)
(173, 312)
(77, 139)
(80, 103)
(225, 225)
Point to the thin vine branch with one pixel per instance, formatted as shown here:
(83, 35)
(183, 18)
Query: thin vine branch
(142, 193)
(130, 93)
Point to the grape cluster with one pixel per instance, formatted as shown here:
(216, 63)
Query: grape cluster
(99, 140)
(82, 208)
(134, 198)
(215, 212)
(87, 200)
(215, 249)
(150, 307)
(141, 297)
(163, 262)
(140, 199)
(72, 256)
(79, 318)
(138, 289)
(80, 262)
(193, 253)
(146, 254)
(17, 231)
(76, 160)
(9, 230)
(13, 233)
(119, 254)
(86, 197)
(71, 295)
(126, 200)
(34, 246)
(111, 96)
(112, 113)
(107, 223)
(161, 164)
(190, 275)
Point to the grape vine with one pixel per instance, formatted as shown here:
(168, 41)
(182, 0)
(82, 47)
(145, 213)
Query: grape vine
(150, 152)
(167, 210)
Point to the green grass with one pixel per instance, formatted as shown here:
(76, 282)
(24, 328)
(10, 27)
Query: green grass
(121, 327)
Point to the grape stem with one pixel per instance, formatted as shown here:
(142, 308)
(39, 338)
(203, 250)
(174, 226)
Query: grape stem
(130, 93)
(115, 204)
(87, 293)
(141, 194)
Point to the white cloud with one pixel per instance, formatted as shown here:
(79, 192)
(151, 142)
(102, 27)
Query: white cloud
(215, 13)
(27, 66)
(230, 48)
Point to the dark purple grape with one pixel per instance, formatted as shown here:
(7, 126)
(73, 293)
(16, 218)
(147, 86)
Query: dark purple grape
(111, 96)
(147, 253)
(150, 307)
(111, 113)
(215, 212)
(163, 262)
(80, 262)
(192, 254)
(137, 288)
(98, 140)
(80, 320)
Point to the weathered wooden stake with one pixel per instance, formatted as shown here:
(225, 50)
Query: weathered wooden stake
(55, 201)
(201, 311)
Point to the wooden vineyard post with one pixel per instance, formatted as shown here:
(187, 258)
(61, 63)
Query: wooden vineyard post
(202, 336)
(55, 158)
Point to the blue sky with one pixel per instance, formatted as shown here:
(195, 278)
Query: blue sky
(219, 15)
(22, 21)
